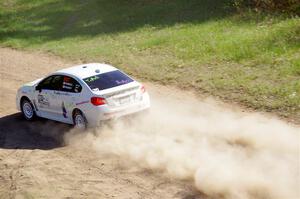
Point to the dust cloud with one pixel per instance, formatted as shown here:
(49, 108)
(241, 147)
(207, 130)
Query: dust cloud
(228, 154)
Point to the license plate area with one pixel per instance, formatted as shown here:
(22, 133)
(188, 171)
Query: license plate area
(125, 100)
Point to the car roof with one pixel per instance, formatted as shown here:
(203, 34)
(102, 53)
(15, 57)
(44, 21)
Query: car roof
(86, 70)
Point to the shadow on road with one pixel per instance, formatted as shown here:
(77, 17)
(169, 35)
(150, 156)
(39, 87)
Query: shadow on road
(17, 133)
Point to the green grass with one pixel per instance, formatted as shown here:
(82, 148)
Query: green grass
(250, 58)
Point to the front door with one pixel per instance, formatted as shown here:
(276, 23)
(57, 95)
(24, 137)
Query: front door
(46, 101)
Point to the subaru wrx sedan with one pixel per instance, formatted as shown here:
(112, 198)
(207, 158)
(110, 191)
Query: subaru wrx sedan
(83, 95)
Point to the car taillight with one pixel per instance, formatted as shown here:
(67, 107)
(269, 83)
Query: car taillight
(97, 101)
(143, 89)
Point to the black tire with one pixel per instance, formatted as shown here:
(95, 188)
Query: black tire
(27, 110)
(79, 120)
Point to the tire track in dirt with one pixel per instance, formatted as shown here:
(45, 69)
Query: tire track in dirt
(14, 162)
(35, 163)
(117, 173)
(15, 173)
(206, 141)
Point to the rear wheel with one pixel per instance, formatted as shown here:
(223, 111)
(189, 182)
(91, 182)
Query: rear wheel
(79, 120)
(27, 109)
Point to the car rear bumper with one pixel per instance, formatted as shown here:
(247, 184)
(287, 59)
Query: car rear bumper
(103, 113)
(126, 111)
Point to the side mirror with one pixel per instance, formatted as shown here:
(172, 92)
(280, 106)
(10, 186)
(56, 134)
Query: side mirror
(38, 88)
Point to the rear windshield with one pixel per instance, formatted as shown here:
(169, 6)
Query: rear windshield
(107, 80)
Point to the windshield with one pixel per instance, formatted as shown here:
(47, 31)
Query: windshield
(107, 80)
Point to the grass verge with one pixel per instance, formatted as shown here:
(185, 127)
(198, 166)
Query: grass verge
(250, 58)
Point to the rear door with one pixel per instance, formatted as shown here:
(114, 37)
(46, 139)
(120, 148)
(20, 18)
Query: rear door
(66, 98)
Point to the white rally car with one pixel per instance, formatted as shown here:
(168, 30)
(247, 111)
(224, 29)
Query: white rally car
(83, 95)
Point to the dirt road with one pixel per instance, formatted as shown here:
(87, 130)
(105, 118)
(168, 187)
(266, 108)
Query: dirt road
(34, 163)
(38, 160)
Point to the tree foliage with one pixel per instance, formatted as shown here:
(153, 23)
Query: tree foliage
(286, 6)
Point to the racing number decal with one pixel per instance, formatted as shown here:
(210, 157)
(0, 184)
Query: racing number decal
(91, 79)
(43, 101)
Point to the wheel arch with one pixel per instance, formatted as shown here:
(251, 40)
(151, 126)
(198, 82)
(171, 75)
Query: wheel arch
(75, 110)
(22, 99)
(81, 112)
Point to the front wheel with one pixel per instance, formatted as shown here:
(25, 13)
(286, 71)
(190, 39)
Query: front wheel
(27, 110)
(79, 120)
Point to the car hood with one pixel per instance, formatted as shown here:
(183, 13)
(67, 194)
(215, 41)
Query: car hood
(29, 87)
(33, 83)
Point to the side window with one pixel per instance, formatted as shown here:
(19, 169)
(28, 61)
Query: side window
(56, 83)
(71, 85)
(52, 83)
(46, 83)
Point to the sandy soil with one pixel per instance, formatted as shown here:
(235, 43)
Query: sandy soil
(34, 162)
(189, 148)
